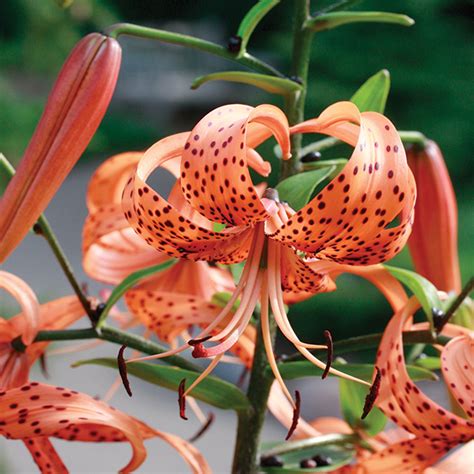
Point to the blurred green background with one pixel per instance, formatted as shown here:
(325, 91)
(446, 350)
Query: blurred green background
(431, 66)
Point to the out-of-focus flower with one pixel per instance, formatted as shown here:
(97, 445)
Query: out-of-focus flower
(35, 412)
(348, 222)
(436, 431)
(433, 242)
(73, 112)
(58, 314)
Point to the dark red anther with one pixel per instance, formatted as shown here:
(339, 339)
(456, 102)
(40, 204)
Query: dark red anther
(328, 337)
(296, 415)
(308, 463)
(311, 157)
(373, 394)
(204, 428)
(199, 349)
(182, 399)
(122, 366)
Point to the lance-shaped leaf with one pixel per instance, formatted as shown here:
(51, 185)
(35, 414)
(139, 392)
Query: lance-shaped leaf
(352, 398)
(274, 85)
(430, 363)
(128, 283)
(372, 94)
(425, 291)
(297, 189)
(303, 368)
(251, 20)
(328, 21)
(212, 390)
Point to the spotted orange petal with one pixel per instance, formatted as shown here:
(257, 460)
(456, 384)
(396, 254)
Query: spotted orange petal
(45, 456)
(164, 227)
(215, 178)
(402, 401)
(457, 364)
(37, 410)
(409, 456)
(347, 222)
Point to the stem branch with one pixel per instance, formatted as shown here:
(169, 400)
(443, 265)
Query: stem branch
(170, 37)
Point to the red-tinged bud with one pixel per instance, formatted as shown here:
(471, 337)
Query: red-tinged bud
(433, 241)
(73, 112)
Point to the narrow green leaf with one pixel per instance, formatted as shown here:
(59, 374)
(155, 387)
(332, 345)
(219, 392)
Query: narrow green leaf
(328, 21)
(424, 290)
(6, 173)
(251, 20)
(304, 368)
(272, 84)
(127, 283)
(352, 397)
(372, 95)
(297, 189)
(212, 390)
(430, 363)
(464, 315)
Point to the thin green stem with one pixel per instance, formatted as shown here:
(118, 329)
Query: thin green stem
(294, 104)
(43, 228)
(110, 334)
(455, 304)
(250, 422)
(372, 341)
(169, 37)
(408, 138)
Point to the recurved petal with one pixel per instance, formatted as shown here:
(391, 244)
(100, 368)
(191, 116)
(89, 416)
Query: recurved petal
(299, 277)
(37, 410)
(45, 456)
(402, 401)
(107, 183)
(460, 461)
(457, 364)
(28, 325)
(164, 227)
(215, 176)
(352, 220)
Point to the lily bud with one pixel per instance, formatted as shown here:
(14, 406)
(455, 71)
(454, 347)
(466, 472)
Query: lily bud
(73, 112)
(433, 241)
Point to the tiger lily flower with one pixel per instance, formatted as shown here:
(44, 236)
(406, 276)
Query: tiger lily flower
(172, 301)
(34, 412)
(346, 223)
(57, 314)
(433, 242)
(73, 112)
(436, 431)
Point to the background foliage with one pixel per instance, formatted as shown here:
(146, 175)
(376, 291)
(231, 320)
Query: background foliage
(431, 67)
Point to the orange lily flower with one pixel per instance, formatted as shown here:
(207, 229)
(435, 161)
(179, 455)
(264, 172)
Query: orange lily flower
(175, 299)
(436, 430)
(57, 314)
(73, 112)
(346, 222)
(433, 242)
(34, 412)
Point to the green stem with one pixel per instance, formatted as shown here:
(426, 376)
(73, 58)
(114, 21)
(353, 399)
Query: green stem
(455, 304)
(295, 102)
(250, 422)
(372, 341)
(43, 228)
(110, 334)
(408, 138)
(169, 37)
